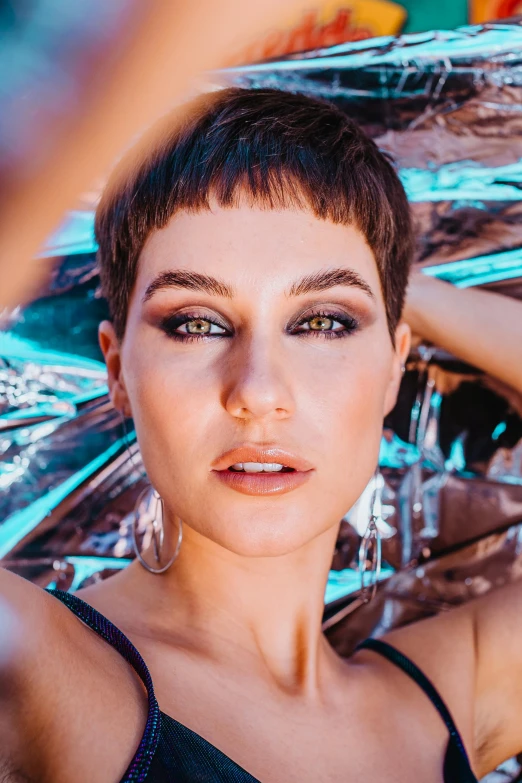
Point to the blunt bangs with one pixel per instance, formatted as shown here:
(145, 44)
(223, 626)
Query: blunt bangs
(276, 149)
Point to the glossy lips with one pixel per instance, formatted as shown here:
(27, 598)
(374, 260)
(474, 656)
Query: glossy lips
(296, 471)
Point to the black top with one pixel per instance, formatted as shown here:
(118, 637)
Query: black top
(170, 752)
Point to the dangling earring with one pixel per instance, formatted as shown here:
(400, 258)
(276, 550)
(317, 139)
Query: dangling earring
(372, 538)
(149, 523)
(150, 526)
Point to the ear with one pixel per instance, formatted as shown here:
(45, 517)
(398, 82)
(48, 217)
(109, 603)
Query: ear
(400, 355)
(111, 349)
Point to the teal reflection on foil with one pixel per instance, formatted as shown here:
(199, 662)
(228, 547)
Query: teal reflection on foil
(396, 453)
(339, 585)
(463, 180)
(21, 523)
(85, 567)
(417, 49)
(74, 235)
(456, 461)
(499, 429)
(347, 581)
(37, 383)
(19, 348)
(480, 270)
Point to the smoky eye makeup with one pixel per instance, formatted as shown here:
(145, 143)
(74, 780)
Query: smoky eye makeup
(195, 324)
(325, 320)
(320, 321)
(326, 323)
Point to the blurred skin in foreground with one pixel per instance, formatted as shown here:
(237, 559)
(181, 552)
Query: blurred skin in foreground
(130, 81)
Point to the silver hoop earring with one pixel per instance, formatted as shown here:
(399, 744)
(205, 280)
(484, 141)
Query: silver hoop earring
(372, 540)
(148, 523)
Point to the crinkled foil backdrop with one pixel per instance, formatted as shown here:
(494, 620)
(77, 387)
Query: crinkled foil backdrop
(448, 106)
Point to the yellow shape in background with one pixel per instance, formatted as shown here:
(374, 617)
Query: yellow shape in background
(381, 17)
(332, 22)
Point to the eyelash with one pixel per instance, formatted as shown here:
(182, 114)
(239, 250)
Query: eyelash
(173, 322)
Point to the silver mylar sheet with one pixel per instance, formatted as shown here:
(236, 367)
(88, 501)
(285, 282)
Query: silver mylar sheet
(448, 106)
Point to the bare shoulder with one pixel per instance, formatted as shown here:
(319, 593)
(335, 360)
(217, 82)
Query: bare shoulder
(472, 656)
(55, 672)
(433, 641)
(26, 623)
(26, 613)
(35, 626)
(443, 648)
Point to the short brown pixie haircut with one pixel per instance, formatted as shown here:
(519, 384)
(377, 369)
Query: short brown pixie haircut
(276, 148)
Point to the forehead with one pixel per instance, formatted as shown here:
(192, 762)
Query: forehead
(250, 245)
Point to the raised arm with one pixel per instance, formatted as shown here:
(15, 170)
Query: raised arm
(480, 327)
(482, 639)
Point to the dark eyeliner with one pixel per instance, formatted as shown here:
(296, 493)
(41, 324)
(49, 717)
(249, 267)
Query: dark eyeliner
(170, 323)
(351, 325)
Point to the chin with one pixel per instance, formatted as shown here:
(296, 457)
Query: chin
(263, 533)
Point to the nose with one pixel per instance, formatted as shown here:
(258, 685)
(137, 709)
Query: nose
(257, 384)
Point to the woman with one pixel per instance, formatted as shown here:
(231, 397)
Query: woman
(255, 264)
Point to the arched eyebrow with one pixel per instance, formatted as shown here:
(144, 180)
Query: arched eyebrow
(195, 281)
(329, 278)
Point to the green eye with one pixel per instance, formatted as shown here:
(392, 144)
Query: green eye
(198, 326)
(320, 323)
(189, 326)
(326, 325)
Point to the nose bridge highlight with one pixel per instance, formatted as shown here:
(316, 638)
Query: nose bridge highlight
(256, 383)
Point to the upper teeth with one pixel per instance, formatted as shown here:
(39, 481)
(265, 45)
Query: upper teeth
(258, 467)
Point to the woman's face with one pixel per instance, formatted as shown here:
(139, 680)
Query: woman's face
(263, 331)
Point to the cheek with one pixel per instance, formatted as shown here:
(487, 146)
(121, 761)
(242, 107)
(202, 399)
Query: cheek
(173, 401)
(349, 387)
(346, 407)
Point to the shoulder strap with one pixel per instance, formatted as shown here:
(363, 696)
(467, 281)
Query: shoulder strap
(140, 764)
(413, 671)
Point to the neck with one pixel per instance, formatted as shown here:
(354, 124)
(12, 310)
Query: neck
(269, 609)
